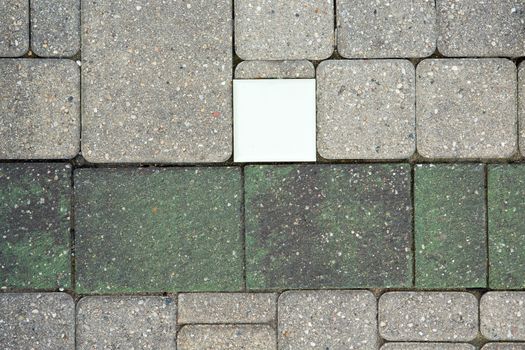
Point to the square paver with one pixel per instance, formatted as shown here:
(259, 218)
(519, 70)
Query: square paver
(35, 209)
(296, 69)
(466, 108)
(366, 109)
(385, 28)
(427, 346)
(284, 30)
(328, 226)
(14, 28)
(502, 316)
(226, 337)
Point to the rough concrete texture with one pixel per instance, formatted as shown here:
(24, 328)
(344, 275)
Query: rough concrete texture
(481, 28)
(126, 322)
(504, 346)
(428, 316)
(14, 28)
(466, 108)
(39, 109)
(386, 28)
(427, 346)
(201, 337)
(55, 27)
(366, 109)
(299, 69)
(284, 30)
(335, 320)
(502, 315)
(227, 307)
(521, 106)
(156, 81)
(37, 321)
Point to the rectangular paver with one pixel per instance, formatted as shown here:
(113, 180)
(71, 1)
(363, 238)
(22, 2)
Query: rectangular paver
(14, 28)
(222, 337)
(502, 316)
(521, 106)
(296, 69)
(504, 346)
(427, 346)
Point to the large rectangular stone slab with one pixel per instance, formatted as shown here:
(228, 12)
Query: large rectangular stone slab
(226, 337)
(328, 226)
(14, 28)
(156, 81)
(153, 230)
(502, 316)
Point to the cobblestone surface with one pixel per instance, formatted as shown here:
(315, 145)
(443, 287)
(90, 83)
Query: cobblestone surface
(14, 28)
(502, 315)
(200, 337)
(427, 346)
(299, 69)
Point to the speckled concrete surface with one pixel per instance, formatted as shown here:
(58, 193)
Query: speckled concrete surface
(298, 69)
(521, 106)
(14, 28)
(223, 337)
(502, 316)
(504, 346)
(427, 346)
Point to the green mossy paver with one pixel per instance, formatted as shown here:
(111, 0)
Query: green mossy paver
(450, 233)
(152, 230)
(328, 226)
(506, 229)
(35, 206)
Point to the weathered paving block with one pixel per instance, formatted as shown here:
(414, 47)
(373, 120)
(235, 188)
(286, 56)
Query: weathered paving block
(55, 27)
(450, 230)
(126, 322)
(428, 316)
(328, 226)
(504, 346)
(366, 109)
(14, 28)
(35, 206)
(385, 29)
(481, 28)
(334, 320)
(157, 230)
(227, 307)
(156, 81)
(502, 315)
(466, 108)
(221, 337)
(284, 30)
(299, 69)
(39, 109)
(37, 321)
(427, 346)
(521, 106)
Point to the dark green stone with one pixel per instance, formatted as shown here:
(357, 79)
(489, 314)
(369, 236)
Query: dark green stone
(153, 230)
(328, 226)
(450, 232)
(35, 206)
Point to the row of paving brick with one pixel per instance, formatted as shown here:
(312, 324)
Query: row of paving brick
(342, 319)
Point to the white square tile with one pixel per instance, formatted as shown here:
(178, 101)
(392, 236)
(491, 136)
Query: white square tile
(274, 120)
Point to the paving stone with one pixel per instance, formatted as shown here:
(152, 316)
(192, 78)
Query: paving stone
(328, 320)
(428, 316)
(153, 230)
(466, 108)
(521, 106)
(503, 346)
(126, 322)
(55, 27)
(427, 346)
(450, 230)
(328, 226)
(299, 69)
(227, 307)
(37, 321)
(502, 315)
(35, 205)
(156, 80)
(386, 29)
(481, 28)
(39, 109)
(366, 109)
(284, 30)
(14, 28)
(201, 337)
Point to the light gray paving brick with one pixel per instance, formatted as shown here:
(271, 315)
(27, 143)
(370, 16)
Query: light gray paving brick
(55, 27)
(521, 106)
(428, 316)
(37, 321)
(504, 346)
(427, 346)
(481, 28)
(386, 28)
(14, 28)
(298, 69)
(226, 337)
(227, 307)
(466, 108)
(502, 315)
(284, 30)
(126, 322)
(39, 109)
(156, 81)
(334, 320)
(366, 109)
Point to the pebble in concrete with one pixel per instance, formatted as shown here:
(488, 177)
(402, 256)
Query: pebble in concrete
(37, 321)
(521, 106)
(481, 28)
(386, 29)
(504, 346)
(14, 28)
(427, 346)
(126, 322)
(284, 30)
(366, 109)
(39, 109)
(428, 316)
(200, 337)
(334, 320)
(299, 69)
(466, 108)
(503, 315)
